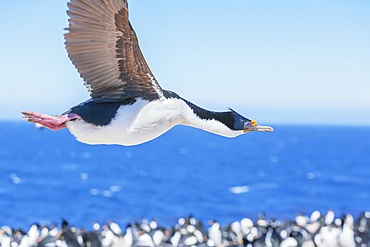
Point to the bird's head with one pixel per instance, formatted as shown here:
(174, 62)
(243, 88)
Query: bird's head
(247, 125)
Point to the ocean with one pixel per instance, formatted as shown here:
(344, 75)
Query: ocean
(46, 175)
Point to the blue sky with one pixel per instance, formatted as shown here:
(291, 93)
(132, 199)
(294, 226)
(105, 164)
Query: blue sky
(274, 61)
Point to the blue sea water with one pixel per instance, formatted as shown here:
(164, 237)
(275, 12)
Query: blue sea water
(46, 175)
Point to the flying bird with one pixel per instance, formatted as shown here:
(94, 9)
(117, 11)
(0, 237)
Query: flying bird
(127, 105)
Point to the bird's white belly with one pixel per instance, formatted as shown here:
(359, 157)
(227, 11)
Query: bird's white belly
(132, 124)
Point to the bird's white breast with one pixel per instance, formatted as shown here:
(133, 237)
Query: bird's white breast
(132, 124)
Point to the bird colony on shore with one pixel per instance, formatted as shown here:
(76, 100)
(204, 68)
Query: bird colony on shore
(316, 230)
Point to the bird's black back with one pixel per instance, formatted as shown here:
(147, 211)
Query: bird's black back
(101, 113)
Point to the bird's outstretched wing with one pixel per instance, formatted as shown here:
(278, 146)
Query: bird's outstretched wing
(103, 46)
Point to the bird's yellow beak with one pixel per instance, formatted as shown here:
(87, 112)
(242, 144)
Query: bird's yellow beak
(252, 126)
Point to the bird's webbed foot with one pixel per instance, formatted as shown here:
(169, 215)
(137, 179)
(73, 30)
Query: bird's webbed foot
(49, 121)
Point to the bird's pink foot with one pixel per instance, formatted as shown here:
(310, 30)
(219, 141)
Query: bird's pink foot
(49, 121)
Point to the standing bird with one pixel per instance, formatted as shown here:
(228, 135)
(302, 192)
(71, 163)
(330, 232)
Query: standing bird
(127, 105)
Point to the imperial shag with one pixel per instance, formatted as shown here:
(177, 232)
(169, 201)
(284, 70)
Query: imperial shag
(127, 105)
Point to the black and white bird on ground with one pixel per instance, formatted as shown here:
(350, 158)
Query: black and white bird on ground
(127, 105)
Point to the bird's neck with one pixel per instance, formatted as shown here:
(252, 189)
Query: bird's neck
(215, 122)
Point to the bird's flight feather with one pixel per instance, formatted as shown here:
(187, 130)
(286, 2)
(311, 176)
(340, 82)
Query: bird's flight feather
(103, 46)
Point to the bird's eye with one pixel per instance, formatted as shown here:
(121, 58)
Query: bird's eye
(247, 124)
